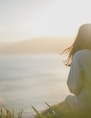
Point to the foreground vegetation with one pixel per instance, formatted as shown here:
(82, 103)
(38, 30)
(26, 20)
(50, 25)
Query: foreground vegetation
(6, 113)
(51, 112)
(56, 112)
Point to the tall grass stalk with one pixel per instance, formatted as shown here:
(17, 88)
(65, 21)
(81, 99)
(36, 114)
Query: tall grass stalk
(6, 113)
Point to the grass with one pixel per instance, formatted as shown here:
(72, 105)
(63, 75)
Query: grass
(56, 112)
(6, 113)
(52, 112)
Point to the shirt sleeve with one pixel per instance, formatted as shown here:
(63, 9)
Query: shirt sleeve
(75, 82)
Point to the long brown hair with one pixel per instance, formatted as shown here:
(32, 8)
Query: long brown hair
(82, 41)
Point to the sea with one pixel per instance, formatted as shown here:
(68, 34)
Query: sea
(28, 80)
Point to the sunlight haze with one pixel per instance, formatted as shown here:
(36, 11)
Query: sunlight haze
(24, 19)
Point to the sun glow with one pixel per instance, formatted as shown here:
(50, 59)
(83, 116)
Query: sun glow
(29, 19)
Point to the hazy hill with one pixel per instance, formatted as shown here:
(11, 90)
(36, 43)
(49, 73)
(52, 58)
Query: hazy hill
(3, 45)
(39, 45)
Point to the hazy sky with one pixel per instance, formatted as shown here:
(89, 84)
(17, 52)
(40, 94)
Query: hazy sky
(24, 19)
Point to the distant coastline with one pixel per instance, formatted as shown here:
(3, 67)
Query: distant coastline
(38, 45)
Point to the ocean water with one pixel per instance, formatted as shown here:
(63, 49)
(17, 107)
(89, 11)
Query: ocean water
(27, 80)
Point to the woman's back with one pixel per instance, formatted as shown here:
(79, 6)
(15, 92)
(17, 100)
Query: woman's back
(79, 80)
(85, 60)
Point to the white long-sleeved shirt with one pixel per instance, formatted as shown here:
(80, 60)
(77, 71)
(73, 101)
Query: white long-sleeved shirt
(79, 79)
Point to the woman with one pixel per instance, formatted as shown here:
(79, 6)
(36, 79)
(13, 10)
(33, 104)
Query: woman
(79, 79)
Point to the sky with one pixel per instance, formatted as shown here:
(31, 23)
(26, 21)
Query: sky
(27, 19)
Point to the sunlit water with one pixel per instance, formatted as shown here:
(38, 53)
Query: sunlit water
(27, 80)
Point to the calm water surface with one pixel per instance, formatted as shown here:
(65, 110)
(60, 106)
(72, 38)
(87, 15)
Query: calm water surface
(27, 80)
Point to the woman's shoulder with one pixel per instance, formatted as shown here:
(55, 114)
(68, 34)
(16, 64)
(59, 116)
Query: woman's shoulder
(83, 52)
